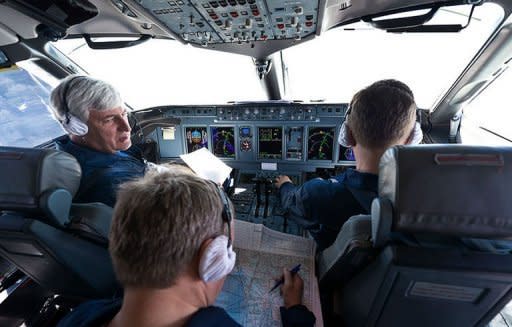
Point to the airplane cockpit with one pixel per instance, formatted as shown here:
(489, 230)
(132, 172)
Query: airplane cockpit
(265, 86)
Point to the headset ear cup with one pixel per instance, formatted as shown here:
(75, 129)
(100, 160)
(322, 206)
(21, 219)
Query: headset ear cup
(416, 135)
(217, 260)
(75, 126)
(345, 137)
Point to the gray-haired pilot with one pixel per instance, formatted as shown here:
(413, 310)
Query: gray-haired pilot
(93, 114)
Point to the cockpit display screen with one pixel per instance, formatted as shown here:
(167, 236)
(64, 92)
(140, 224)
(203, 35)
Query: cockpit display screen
(196, 138)
(320, 143)
(270, 144)
(223, 141)
(346, 154)
(294, 141)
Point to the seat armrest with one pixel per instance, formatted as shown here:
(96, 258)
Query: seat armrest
(354, 234)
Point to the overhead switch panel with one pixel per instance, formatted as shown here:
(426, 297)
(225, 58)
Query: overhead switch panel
(235, 21)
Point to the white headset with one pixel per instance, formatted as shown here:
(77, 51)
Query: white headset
(219, 258)
(71, 123)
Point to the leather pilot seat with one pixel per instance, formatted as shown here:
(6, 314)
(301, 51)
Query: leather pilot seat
(439, 235)
(60, 245)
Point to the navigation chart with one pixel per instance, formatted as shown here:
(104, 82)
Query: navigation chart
(261, 256)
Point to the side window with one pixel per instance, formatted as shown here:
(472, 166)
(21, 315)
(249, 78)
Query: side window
(25, 120)
(487, 119)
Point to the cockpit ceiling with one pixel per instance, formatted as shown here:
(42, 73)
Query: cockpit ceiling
(256, 28)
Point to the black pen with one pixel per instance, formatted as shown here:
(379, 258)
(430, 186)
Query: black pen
(281, 280)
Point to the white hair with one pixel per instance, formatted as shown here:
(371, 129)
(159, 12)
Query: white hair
(81, 94)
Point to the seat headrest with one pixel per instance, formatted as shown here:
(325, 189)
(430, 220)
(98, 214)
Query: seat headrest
(38, 181)
(449, 189)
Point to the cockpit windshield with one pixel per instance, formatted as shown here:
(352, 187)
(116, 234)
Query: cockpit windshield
(330, 68)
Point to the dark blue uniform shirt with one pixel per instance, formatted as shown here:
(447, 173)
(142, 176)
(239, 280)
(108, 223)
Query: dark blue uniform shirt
(102, 173)
(322, 206)
(100, 312)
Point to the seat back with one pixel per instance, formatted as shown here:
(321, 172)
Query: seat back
(38, 223)
(437, 205)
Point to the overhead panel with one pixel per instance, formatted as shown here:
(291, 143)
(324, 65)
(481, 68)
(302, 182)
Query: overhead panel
(236, 21)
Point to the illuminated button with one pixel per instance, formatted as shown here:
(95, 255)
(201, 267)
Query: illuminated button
(309, 24)
(256, 12)
(234, 14)
(280, 26)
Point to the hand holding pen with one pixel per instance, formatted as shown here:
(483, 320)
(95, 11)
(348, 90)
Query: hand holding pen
(280, 281)
(292, 287)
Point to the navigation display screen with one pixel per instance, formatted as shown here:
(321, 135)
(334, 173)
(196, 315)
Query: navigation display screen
(270, 143)
(196, 138)
(346, 154)
(320, 143)
(223, 142)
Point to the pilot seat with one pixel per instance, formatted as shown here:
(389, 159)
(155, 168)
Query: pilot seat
(434, 251)
(60, 245)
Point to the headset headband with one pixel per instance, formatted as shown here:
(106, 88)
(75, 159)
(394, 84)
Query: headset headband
(227, 216)
(64, 98)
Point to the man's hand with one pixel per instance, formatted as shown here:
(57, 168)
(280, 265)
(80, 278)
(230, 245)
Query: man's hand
(292, 289)
(281, 179)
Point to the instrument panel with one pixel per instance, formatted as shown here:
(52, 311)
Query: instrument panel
(259, 141)
(291, 135)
